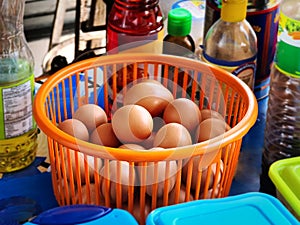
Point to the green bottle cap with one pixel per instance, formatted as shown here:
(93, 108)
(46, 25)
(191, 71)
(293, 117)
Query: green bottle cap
(287, 58)
(179, 22)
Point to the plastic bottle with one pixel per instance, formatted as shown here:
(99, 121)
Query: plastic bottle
(133, 21)
(263, 16)
(179, 28)
(231, 43)
(282, 131)
(178, 41)
(18, 131)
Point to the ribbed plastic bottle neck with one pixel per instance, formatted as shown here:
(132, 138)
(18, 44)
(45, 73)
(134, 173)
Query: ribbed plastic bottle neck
(136, 4)
(234, 10)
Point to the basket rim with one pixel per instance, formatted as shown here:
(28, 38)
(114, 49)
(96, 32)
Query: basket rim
(50, 129)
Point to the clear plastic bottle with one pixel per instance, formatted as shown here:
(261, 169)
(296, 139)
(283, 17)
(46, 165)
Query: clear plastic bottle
(134, 22)
(282, 131)
(18, 131)
(231, 43)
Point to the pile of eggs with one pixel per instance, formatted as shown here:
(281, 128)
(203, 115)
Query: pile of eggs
(148, 118)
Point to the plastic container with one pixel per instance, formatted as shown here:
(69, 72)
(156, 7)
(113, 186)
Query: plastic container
(83, 215)
(247, 209)
(84, 183)
(285, 174)
(281, 139)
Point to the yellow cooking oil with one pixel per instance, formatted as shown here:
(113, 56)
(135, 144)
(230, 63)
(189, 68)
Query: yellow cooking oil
(18, 152)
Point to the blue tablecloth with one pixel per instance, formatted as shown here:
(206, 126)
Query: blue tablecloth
(28, 192)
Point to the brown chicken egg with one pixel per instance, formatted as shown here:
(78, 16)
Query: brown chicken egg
(172, 135)
(76, 162)
(208, 113)
(90, 194)
(91, 115)
(132, 124)
(115, 179)
(210, 128)
(198, 170)
(162, 176)
(138, 212)
(132, 146)
(181, 196)
(75, 128)
(183, 111)
(104, 135)
(152, 96)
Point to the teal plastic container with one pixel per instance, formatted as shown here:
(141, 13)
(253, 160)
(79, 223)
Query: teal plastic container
(246, 209)
(285, 174)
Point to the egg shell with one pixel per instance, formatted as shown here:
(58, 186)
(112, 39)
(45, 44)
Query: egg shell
(162, 176)
(129, 73)
(172, 135)
(197, 168)
(138, 212)
(132, 146)
(148, 143)
(183, 111)
(104, 135)
(90, 194)
(181, 196)
(75, 128)
(132, 124)
(114, 180)
(152, 96)
(208, 113)
(210, 128)
(80, 163)
(91, 115)
(211, 193)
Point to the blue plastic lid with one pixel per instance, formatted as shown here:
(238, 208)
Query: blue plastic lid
(246, 209)
(74, 214)
(83, 214)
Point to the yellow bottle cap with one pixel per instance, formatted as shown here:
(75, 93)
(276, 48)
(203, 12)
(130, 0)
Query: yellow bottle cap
(234, 10)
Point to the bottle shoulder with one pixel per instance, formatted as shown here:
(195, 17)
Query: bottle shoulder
(231, 41)
(184, 41)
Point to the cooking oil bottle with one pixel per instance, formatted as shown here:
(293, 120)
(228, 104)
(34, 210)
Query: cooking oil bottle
(18, 131)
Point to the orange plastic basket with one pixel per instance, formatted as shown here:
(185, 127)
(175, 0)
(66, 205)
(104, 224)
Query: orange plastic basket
(215, 160)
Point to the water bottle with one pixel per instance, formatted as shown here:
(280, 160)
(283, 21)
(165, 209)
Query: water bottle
(282, 131)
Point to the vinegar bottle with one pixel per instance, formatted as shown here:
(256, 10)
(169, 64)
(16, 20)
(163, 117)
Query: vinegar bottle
(18, 131)
(132, 23)
(282, 131)
(231, 43)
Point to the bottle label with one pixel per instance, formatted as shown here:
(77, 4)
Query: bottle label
(16, 107)
(288, 48)
(120, 42)
(244, 69)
